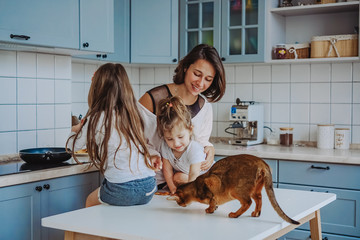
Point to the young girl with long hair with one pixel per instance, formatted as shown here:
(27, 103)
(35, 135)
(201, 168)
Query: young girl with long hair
(181, 155)
(113, 133)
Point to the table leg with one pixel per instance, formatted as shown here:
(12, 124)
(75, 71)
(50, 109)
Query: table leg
(81, 236)
(315, 226)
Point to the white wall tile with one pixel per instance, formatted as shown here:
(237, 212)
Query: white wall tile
(280, 93)
(8, 63)
(89, 71)
(355, 137)
(26, 117)
(262, 74)
(77, 92)
(63, 91)
(320, 72)
(147, 75)
(45, 116)
(341, 72)
(356, 71)
(86, 91)
(261, 92)
(313, 133)
(26, 91)
(280, 113)
(162, 75)
(230, 74)
(215, 111)
(62, 67)
(300, 73)
(7, 90)
(8, 143)
(8, 117)
(77, 72)
(267, 112)
(280, 73)
(300, 92)
(134, 75)
(61, 136)
(341, 92)
(341, 114)
(63, 116)
(26, 139)
(79, 108)
(45, 66)
(229, 95)
(300, 113)
(243, 74)
(301, 132)
(356, 92)
(356, 114)
(320, 92)
(320, 113)
(45, 138)
(244, 91)
(223, 111)
(221, 126)
(136, 90)
(45, 91)
(26, 64)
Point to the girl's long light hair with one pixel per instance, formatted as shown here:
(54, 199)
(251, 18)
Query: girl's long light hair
(111, 94)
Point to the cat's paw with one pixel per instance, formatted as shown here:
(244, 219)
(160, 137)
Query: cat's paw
(255, 214)
(233, 215)
(210, 210)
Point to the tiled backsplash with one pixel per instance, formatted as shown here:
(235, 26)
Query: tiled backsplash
(40, 91)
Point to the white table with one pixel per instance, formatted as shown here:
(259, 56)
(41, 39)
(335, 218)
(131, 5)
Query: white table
(164, 219)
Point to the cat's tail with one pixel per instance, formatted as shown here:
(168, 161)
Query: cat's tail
(270, 192)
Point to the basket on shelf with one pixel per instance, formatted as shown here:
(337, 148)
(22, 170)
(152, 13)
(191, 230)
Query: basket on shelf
(295, 51)
(334, 46)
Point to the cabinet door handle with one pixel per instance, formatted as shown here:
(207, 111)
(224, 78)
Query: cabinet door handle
(38, 188)
(223, 59)
(20, 37)
(46, 186)
(86, 44)
(174, 60)
(322, 168)
(104, 56)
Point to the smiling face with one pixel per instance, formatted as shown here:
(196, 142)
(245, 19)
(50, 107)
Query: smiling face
(199, 76)
(178, 138)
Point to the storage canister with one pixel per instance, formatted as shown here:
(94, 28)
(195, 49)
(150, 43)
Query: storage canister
(286, 136)
(325, 136)
(342, 138)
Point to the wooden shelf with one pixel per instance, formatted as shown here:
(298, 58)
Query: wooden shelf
(314, 60)
(317, 9)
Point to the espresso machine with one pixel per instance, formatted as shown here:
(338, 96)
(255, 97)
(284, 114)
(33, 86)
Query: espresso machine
(247, 123)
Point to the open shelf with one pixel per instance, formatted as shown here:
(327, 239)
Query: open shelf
(314, 60)
(317, 9)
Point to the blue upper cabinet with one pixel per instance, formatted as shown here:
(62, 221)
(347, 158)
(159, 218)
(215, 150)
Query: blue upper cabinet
(154, 31)
(97, 25)
(40, 23)
(200, 22)
(236, 28)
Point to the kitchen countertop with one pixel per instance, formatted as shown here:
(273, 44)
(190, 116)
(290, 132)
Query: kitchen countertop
(299, 153)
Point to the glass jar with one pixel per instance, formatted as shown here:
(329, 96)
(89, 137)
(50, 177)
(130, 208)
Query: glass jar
(280, 51)
(286, 136)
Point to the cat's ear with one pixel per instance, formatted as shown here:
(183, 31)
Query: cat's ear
(213, 182)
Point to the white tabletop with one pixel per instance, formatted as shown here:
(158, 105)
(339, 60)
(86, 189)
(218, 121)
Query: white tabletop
(164, 219)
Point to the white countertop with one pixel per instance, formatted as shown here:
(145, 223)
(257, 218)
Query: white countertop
(164, 219)
(291, 153)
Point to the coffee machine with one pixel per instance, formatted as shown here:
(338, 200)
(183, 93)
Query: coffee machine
(247, 123)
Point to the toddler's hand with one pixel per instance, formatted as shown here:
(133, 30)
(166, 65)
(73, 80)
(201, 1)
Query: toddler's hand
(156, 162)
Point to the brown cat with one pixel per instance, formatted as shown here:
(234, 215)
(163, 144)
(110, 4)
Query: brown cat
(240, 177)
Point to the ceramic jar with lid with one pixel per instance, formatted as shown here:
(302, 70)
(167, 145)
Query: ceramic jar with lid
(286, 136)
(325, 136)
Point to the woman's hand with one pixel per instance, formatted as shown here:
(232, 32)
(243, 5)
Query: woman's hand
(210, 153)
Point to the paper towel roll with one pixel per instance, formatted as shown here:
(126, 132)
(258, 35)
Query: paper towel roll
(325, 136)
(342, 138)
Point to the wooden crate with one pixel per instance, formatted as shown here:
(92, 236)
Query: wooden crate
(334, 46)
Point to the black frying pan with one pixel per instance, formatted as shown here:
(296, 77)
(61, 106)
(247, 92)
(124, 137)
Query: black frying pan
(44, 155)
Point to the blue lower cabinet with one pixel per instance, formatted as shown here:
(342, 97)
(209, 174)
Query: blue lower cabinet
(305, 235)
(340, 217)
(23, 206)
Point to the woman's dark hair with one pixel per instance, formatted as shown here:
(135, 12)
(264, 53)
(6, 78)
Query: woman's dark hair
(203, 51)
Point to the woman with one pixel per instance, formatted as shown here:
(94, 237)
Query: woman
(199, 72)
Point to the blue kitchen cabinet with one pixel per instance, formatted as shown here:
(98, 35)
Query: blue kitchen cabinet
(40, 23)
(121, 35)
(154, 31)
(97, 25)
(23, 206)
(339, 218)
(236, 28)
(305, 235)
